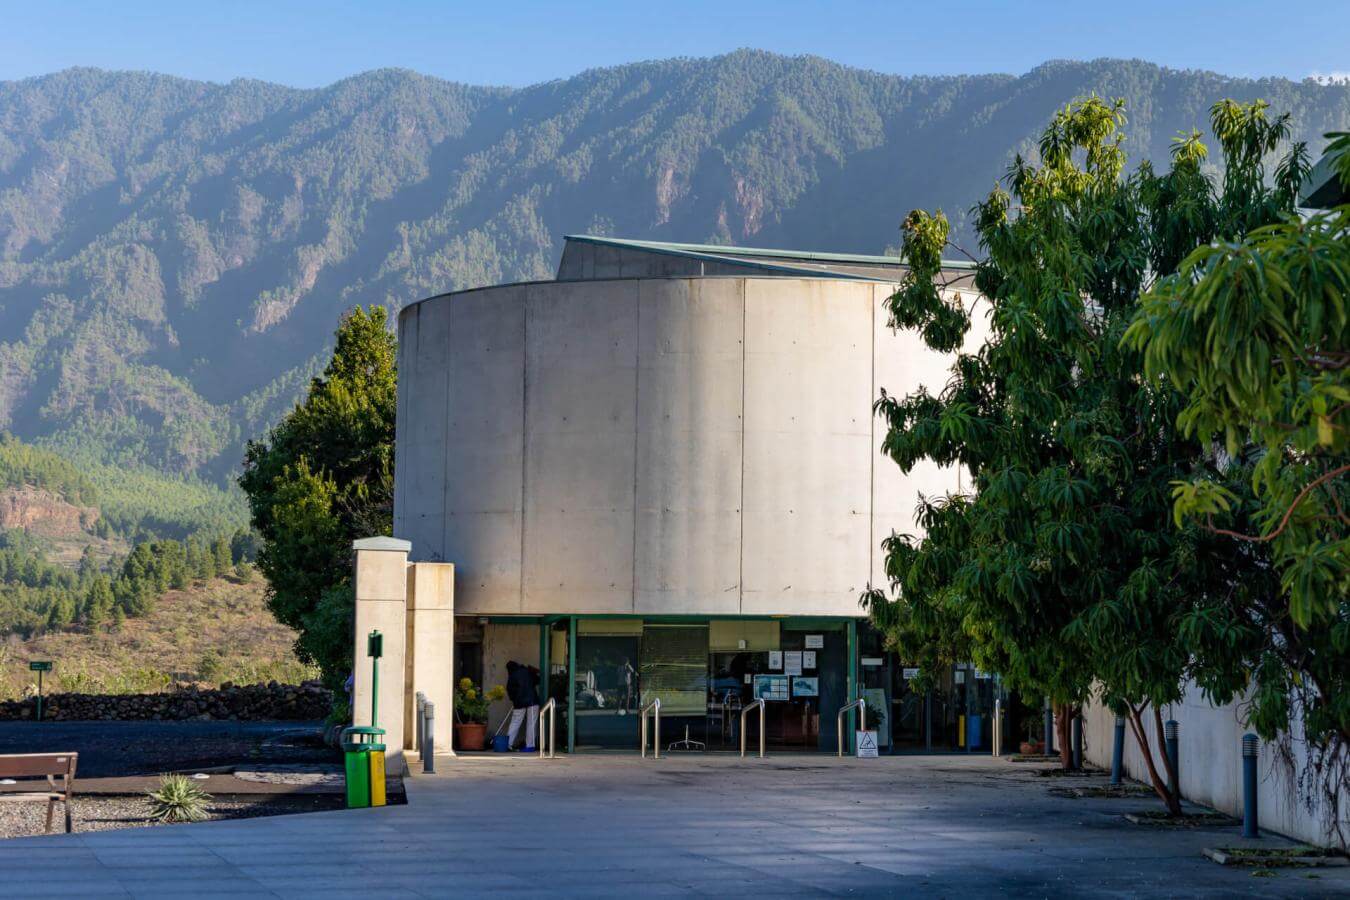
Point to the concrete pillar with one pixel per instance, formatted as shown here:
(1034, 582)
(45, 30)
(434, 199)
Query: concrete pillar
(381, 603)
(431, 647)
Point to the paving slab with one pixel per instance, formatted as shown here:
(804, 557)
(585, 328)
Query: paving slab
(698, 825)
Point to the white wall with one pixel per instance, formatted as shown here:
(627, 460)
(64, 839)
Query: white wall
(1210, 760)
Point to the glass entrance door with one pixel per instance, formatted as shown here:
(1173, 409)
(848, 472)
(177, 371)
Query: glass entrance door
(607, 691)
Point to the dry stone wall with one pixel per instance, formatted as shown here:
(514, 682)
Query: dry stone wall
(252, 702)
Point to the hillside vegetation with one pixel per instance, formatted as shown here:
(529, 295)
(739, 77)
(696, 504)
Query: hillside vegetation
(210, 633)
(174, 254)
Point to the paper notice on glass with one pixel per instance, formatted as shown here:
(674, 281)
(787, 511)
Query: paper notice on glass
(808, 659)
(792, 662)
(775, 659)
(815, 642)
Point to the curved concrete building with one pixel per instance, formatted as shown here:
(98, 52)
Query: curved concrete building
(668, 435)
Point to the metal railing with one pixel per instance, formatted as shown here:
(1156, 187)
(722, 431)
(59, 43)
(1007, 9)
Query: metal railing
(861, 704)
(996, 735)
(655, 709)
(758, 702)
(548, 736)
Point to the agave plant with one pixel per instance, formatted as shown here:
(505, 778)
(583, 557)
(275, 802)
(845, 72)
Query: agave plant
(178, 800)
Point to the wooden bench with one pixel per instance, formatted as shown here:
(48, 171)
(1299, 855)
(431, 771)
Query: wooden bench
(38, 765)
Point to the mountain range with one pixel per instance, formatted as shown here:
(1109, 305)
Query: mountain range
(175, 254)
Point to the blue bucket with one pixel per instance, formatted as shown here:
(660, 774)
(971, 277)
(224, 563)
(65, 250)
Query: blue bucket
(501, 744)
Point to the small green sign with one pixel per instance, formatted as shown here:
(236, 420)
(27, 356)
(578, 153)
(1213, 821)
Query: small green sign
(375, 645)
(44, 665)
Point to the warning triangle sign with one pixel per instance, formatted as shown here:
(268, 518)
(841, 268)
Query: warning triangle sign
(866, 743)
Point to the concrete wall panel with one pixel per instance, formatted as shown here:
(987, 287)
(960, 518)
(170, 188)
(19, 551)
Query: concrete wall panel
(485, 447)
(421, 431)
(904, 364)
(808, 377)
(581, 399)
(688, 538)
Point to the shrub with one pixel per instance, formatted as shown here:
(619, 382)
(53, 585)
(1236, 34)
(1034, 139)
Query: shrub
(178, 800)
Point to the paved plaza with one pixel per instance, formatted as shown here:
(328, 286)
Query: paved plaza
(618, 826)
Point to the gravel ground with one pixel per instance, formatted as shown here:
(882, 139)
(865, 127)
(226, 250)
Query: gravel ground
(108, 813)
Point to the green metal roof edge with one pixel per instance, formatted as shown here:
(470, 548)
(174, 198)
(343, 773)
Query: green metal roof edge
(724, 250)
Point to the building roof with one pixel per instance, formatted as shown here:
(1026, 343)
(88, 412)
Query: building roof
(840, 265)
(1323, 188)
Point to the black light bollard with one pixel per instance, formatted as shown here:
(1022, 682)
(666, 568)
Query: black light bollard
(1173, 747)
(1077, 745)
(1118, 752)
(1049, 728)
(429, 739)
(1250, 828)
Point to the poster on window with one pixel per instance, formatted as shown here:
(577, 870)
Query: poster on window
(792, 662)
(771, 687)
(815, 642)
(808, 659)
(805, 686)
(775, 659)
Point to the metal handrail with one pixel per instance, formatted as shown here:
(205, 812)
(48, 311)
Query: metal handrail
(757, 702)
(655, 709)
(548, 736)
(997, 731)
(862, 720)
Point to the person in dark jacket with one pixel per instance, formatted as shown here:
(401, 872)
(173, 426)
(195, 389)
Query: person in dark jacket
(522, 687)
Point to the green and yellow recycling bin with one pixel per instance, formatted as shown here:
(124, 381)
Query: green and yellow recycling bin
(365, 766)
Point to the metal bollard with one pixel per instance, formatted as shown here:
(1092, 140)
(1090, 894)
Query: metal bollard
(1077, 742)
(1118, 753)
(1250, 827)
(1170, 739)
(421, 700)
(429, 739)
(1049, 727)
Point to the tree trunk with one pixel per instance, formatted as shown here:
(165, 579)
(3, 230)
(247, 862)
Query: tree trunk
(1063, 734)
(1160, 787)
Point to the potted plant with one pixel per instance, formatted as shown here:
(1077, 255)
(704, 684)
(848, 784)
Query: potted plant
(471, 713)
(1031, 746)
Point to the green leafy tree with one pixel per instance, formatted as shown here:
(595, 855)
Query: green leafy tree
(322, 478)
(1062, 569)
(1254, 332)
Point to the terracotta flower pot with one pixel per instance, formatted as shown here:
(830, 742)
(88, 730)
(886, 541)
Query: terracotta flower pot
(470, 735)
(1031, 748)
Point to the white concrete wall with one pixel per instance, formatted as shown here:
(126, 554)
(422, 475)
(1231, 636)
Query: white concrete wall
(1210, 760)
(668, 445)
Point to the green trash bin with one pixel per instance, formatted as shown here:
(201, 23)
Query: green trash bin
(364, 758)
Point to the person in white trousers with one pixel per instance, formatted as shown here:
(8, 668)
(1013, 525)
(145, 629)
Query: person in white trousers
(521, 687)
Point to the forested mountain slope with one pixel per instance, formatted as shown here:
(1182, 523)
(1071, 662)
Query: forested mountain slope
(174, 254)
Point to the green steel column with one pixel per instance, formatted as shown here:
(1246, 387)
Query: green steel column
(853, 693)
(544, 628)
(571, 683)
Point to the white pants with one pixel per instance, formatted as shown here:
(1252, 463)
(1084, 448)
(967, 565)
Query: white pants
(529, 715)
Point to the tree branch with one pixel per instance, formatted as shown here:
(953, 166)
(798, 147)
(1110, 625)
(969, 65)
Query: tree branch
(1284, 520)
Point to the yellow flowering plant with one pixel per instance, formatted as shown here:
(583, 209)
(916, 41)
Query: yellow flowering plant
(471, 702)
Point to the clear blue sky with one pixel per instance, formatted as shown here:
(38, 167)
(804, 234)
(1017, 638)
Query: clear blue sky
(519, 42)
